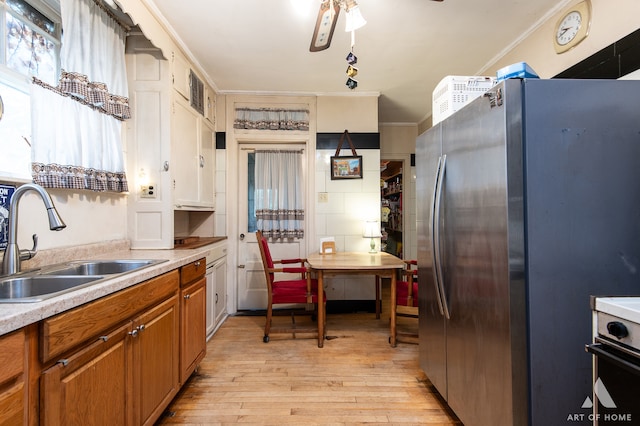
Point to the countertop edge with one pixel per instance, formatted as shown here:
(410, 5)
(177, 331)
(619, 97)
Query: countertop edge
(14, 316)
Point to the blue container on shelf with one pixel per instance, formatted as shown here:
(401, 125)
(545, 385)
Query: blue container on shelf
(517, 70)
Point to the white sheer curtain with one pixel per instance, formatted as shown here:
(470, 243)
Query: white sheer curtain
(279, 198)
(76, 126)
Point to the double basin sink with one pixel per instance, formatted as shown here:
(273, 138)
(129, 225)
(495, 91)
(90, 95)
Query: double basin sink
(41, 284)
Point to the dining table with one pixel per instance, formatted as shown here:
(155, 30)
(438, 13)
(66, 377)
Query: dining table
(378, 264)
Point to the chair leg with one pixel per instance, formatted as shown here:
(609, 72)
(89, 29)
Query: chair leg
(267, 325)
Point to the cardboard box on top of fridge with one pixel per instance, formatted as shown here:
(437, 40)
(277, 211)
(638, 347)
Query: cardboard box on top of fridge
(454, 91)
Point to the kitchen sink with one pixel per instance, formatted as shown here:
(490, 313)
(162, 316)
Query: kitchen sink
(100, 267)
(40, 287)
(51, 281)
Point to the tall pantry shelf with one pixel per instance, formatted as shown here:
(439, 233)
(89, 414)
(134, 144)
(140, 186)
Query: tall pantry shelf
(391, 207)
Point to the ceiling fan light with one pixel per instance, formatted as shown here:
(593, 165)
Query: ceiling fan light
(354, 19)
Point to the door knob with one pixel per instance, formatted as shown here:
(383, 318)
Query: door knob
(241, 237)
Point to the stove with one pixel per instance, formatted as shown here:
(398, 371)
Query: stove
(616, 361)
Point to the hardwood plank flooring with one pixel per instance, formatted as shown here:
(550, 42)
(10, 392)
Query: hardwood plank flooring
(357, 378)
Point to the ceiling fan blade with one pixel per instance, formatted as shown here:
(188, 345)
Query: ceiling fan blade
(325, 24)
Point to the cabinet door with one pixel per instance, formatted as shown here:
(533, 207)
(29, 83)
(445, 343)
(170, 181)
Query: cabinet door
(184, 148)
(193, 327)
(180, 70)
(207, 163)
(210, 105)
(211, 301)
(220, 279)
(91, 387)
(155, 357)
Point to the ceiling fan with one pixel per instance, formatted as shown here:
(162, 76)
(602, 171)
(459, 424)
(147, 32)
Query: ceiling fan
(327, 18)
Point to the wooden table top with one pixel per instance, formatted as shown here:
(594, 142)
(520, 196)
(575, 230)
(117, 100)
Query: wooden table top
(354, 260)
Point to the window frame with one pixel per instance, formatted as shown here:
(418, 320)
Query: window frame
(17, 80)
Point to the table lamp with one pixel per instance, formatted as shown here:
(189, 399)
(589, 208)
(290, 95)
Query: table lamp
(372, 230)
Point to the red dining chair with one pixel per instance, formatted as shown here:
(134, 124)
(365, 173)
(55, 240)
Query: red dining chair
(298, 290)
(407, 296)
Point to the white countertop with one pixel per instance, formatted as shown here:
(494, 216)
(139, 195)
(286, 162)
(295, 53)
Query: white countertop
(16, 315)
(627, 308)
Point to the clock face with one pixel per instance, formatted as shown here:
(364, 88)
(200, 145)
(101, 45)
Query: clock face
(568, 28)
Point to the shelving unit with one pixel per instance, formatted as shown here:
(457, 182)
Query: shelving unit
(391, 219)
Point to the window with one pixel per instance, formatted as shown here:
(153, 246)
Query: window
(30, 46)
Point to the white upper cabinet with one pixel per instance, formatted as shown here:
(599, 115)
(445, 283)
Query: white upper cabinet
(207, 164)
(210, 104)
(180, 73)
(184, 153)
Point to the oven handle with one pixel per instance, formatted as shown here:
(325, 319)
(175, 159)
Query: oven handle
(598, 350)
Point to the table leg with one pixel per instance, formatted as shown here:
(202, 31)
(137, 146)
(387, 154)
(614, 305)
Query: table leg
(321, 309)
(392, 338)
(378, 300)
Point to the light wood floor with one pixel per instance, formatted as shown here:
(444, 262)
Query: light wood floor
(357, 378)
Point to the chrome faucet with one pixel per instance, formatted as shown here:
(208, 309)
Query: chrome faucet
(13, 255)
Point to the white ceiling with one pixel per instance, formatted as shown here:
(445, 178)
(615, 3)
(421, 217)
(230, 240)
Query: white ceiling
(406, 48)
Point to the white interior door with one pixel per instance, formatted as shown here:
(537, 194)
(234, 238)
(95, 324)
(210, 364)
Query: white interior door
(252, 288)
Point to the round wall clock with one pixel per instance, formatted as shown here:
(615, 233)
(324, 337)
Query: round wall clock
(572, 27)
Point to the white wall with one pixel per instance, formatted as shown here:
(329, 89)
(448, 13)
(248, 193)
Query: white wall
(350, 203)
(90, 217)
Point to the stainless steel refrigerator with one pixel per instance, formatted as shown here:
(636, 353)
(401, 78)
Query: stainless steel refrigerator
(528, 203)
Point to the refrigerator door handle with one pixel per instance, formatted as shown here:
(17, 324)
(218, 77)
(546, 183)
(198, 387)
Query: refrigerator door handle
(436, 225)
(432, 226)
(435, 232)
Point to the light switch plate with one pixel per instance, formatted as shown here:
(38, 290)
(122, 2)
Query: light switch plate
(148, 191)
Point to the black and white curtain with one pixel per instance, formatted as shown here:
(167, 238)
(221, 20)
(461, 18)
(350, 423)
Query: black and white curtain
(271, 119)
(77, 125)
(279, 195)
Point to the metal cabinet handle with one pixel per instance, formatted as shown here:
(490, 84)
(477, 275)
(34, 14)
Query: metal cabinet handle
(197, 263)
(133, 333)
(187, 296)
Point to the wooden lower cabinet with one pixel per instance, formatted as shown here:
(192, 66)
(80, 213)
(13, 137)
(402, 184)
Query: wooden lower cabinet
(193, 328)
(91, 387)
(12, 379)
(156, 360)
(124, 377)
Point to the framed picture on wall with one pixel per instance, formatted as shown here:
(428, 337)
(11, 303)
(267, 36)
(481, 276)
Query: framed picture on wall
(346, 167)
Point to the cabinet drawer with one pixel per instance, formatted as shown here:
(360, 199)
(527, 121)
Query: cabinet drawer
(11, 355)
(192, 271)
(68, 329)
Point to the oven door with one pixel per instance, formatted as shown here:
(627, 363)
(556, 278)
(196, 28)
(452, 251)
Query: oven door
(617, 384)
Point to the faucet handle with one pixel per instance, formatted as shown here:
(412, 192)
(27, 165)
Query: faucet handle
(29, 254)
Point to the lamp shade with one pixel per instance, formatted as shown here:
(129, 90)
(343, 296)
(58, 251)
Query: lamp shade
(372, 229)
(354, 19)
